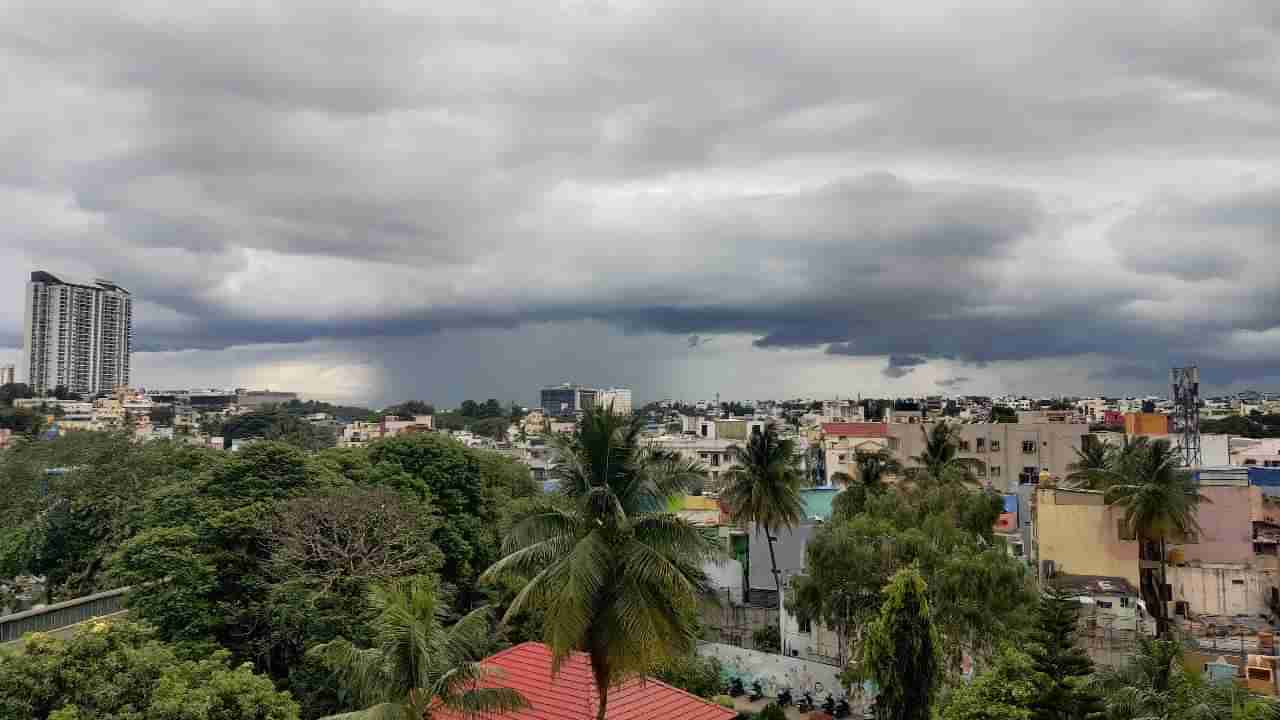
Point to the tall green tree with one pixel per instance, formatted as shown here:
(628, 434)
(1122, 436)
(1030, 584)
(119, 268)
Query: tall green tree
(939, 461)
(901, 653)
(417, 664)
(978, 594)
(613, 575)
(1159, 500)
(1062, 667)
(763, 489)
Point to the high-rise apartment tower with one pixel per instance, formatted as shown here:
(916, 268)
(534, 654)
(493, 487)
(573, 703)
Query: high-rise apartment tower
(77, 335)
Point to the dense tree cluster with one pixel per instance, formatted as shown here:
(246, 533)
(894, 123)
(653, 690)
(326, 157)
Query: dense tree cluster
(1254, 426)
(264, 552)
(120, 670)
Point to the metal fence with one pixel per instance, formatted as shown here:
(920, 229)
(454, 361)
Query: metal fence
(60, 615)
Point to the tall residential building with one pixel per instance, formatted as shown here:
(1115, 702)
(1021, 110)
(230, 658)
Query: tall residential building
(77, 335)
(8, 375)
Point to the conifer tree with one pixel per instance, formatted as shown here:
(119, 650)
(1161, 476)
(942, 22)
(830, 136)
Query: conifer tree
(1062, 668)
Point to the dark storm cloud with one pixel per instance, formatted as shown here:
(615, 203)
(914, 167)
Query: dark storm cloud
(902, 365)
(871, 182)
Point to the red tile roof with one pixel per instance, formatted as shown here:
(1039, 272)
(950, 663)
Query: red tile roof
(857, 430)
(571, 695)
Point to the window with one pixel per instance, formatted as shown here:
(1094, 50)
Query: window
(1028, 446)
(1104, 604)
(964, 446)
(806, 626)
(1029, 476)
(995, 446)
(1237, 582)
(894, 443)
(842, 457)
(1124, 602)
(980, 470)
(995, 471)
(981, 444)
(715, 459)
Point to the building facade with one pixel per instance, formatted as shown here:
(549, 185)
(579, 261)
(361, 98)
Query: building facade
(567, 400)
(1003, 455)
(8, 374)
(76, 335)
(619, 399)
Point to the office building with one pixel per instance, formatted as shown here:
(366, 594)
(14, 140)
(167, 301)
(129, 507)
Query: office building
(8, 374)
(567, 400)
(77, 335)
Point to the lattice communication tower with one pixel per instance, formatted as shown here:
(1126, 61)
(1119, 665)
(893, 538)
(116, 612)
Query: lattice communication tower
(1186, 413)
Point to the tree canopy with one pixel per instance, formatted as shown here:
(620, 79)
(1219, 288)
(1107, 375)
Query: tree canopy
(119, 670)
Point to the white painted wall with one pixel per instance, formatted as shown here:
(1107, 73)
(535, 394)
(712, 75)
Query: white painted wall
(775, 671)
(726, 574)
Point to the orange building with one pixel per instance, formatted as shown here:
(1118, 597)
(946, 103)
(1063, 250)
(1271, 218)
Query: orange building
(1146, 424)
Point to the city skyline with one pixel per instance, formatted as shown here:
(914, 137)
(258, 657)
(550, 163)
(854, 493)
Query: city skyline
(756, 200)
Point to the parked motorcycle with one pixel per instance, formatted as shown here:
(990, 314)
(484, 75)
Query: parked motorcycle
(842, 709)
(784, 697)
(829, 705)
(757, 692)
(735, 688)
(806, 703)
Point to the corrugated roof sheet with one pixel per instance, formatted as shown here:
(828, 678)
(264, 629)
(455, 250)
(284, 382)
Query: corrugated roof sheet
(571, 695)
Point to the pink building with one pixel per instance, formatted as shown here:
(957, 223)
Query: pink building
(1226, 525)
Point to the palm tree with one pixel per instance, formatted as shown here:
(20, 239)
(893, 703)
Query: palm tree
(417, 664)
(1093, 467)
(763, 488)
(870, 470)
(1159, 500)
(1154, 684)
(938, 462)
(615, 577)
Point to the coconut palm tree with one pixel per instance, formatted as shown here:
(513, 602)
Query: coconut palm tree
(1154, 684)
(938, 462)
(614, 576)
(417, 664)
(870, 470)
(1093, 467)
(1159, 500)
(763, 488)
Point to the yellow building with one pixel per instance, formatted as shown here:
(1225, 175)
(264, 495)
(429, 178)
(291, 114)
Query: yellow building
(1146, 424)
(1081, 535)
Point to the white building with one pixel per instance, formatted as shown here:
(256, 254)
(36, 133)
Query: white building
(76, 335)
(619, 398)
(8, 374)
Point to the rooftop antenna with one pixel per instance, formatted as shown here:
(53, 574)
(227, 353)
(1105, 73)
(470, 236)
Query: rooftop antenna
(1186, 418)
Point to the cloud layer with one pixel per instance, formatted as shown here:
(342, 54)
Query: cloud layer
(912, 184)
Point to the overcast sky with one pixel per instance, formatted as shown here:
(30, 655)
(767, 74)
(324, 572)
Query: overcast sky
(469, 199)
